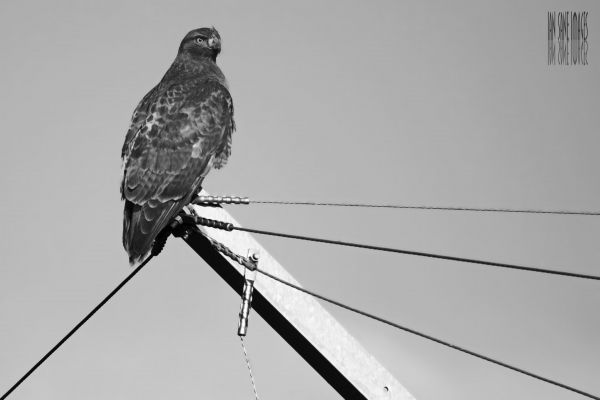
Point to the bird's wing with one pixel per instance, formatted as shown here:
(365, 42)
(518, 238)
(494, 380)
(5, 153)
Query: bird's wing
(137, 120)
(177, 134)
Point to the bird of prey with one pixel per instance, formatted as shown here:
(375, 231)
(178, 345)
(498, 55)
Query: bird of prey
(179, 131)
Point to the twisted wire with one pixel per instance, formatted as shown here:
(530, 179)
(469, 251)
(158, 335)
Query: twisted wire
(208, 200)
(249, 368)
(420, 207)
(230, 227)
(246, 262)
(221, 248)
(422, 254)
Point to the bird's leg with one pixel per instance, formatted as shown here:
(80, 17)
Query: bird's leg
(161, 239)
(190, 210)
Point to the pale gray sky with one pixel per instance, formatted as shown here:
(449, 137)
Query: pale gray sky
(438, 103)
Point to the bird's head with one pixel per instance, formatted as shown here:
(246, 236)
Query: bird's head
(202, 42)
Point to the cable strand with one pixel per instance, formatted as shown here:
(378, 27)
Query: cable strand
(436, 208)
(420, 254)
(209, 200)
(230, 227)
(76, 327)
(425, 336)
(249, 368)
(240, 259)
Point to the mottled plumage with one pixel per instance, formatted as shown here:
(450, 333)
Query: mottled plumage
(179, 131)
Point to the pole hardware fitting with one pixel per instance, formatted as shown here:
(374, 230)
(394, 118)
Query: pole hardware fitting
(181, 225)
(211, 223)
(215, 200)
(249, 277)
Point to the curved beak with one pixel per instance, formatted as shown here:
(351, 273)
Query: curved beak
(214, 42)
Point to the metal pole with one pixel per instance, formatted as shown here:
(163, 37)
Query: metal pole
(299, 319)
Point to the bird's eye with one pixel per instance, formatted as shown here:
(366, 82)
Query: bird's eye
(199, 40)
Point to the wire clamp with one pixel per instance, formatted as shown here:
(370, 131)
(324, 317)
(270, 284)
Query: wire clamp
(216, 200)
(249, 277)
(212, 223)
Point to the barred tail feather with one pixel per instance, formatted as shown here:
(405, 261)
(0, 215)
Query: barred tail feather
(143, 223)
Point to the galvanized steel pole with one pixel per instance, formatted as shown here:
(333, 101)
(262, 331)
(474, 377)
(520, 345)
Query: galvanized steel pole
(299, 319)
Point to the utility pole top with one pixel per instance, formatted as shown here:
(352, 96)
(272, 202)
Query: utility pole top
(298, 318)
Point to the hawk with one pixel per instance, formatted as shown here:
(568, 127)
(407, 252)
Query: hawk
(179, 131)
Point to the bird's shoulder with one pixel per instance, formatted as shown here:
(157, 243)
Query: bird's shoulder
(181, 127)
(177, 109)
(138, 118)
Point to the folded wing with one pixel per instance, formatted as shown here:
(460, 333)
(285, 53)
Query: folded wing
(177, 134)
